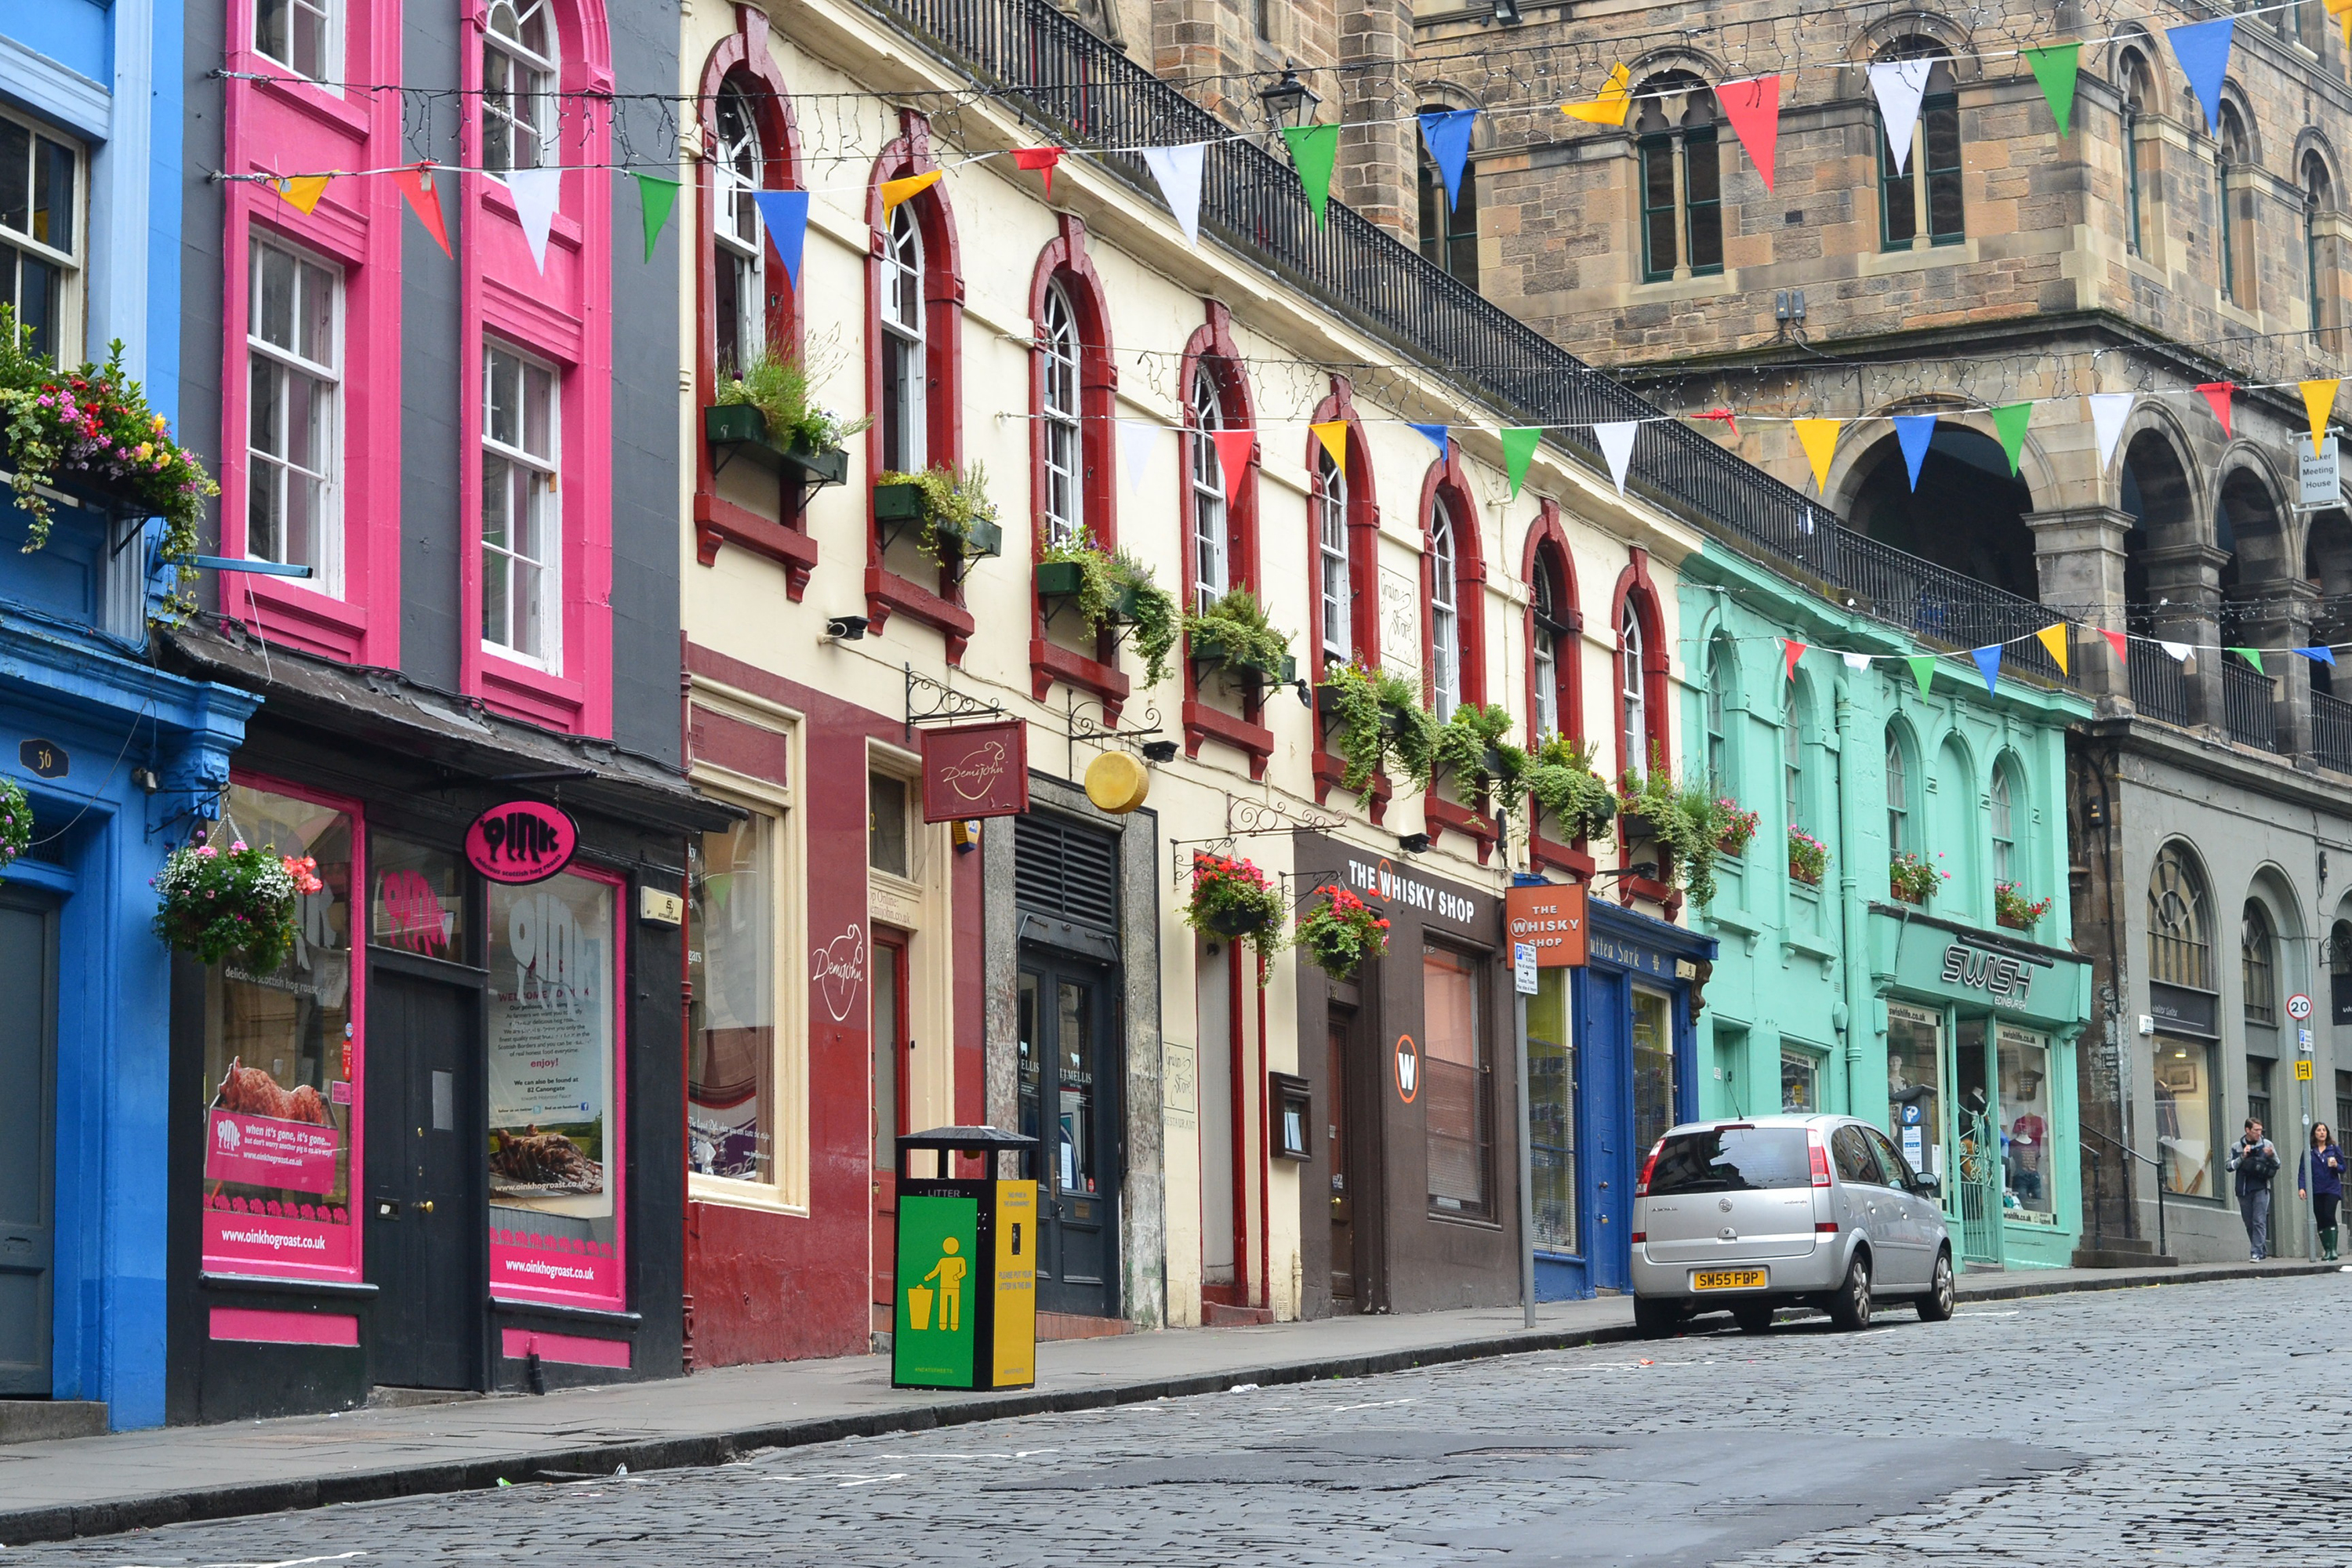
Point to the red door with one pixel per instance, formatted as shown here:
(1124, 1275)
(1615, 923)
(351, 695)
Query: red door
(889, 1107)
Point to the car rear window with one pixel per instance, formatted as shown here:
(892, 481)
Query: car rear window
(1732, 1160)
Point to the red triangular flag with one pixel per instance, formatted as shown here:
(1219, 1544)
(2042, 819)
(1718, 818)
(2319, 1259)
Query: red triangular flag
(2217, 393)
(1723, 415)
(1753, 107)
(416, 185)
(1233, 455)
(1795, 651)
(1035, 159)
(2115, 641)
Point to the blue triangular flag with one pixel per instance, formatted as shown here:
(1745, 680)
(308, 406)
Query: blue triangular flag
(1434, 432)
(1987, 660)
(2203, 50)
(1915, 431)
(2320, 655)
(786, 215)
(1447, 132)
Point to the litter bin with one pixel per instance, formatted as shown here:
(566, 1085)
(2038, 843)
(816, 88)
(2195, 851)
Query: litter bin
(966, 1283)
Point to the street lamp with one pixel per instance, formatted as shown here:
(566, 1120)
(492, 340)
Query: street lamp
(1290, 101)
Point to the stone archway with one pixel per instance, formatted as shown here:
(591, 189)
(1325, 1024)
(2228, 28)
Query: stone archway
(1966, 513)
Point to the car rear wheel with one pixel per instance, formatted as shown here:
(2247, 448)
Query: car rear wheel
(1850, 1308)
(1655, 1320)
(1754, 1318)
(1935, 1306)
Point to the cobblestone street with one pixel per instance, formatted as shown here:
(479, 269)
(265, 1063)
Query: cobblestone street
(2127, 1426)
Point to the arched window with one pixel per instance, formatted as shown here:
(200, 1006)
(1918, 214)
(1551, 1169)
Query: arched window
(1212, 558)
(2137, 103)
(1718, 671)
(1336, 588)
(1444, 615)
(2318, 269)
(1923, 197)
(1681, 172)
(2005, 864)
(2257, 963)
(519, 75)
(1066, 518)
(1792, 757)
(2234, 206)
(739, 295)
(1898, 798)
(1554, 704)
(1632, 737)
(1543, 644)
(906, 444)
(2180, 934)
(1449, 235)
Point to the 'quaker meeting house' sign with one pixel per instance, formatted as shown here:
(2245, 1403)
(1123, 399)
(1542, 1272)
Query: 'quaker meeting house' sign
(522, 841)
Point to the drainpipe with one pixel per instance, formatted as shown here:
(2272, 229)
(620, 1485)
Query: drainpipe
(1853, 912)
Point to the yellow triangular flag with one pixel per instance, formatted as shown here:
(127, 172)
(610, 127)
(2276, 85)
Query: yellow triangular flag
(2053, 637)
(1609, 105)
(1333, 434)
(2318, 400)
(302, 191)
(897, 191)
(1819, 438)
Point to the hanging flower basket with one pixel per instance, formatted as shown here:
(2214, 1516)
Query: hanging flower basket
(1342, 932)
(16, 822)
(234, 906)
(1232, 899)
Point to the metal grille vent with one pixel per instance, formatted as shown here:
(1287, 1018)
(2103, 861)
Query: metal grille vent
(1066, 869)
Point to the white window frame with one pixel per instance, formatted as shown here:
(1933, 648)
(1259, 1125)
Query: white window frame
(1898, 798)
(526, 106)
(1336, 592)
(1792, 761)
(1444, 615)
(326, 555)
(549, 565)
(1066, 446)
(905, 410)
(1633, 737)
(1211, 565)
(736, 171)
(68, 349)
(330, 15)
(1544, 641)
(2004, 829)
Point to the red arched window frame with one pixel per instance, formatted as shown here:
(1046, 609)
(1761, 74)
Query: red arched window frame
(1545, 558)
(1635, 594)
(940, 601)
(1064, 261)
(741, 61)
(1363, 511)
(1210, 350)
(1447, 484)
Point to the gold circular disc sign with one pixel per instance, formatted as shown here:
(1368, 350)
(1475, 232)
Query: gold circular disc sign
(1117, 782)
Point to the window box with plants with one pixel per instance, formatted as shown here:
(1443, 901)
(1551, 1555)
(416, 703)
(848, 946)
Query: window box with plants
(2012, 909)
(1578, 799)
(1682, 819)
(954, 522)
(1808, 857)
(1233, 900)
(1913, 879)
(1378, 727)
(1738, 828)
(1233, 635)
(766, 414)
(1469, 748)
(1110, 591)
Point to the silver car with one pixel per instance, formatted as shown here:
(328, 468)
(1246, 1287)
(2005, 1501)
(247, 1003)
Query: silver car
(1776, 1211)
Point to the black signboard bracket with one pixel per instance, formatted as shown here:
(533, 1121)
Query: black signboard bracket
(932, 701)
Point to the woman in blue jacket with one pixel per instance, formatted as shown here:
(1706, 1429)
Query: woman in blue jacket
(2321, 1170)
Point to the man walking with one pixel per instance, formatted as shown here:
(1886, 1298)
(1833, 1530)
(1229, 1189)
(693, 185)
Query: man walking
(2256, 1159)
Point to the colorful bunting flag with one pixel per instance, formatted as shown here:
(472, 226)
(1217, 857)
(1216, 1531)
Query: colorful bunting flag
(2203, 50)
(2342, 11)
(2319, 653)
(1722, 416)
(656, 197)
(1915, 432)
(1609, 105)
(2053, 637)
(1898, 85)
(1447, 132)
(1988, 665)
(2217, 393)
(1818, 439)
(1615, 441)
(1436, 433)
(1923, 669)
(784, 214)
(2055, 68)
(537, 192)
(1753, 107)
(2115, 641)
(1856, 661)
(1039, 160)
(1178, 170)
(1233, 448)
(2252, 656)
(1333, 434)
(2318, 401)
(2108, 412)
(417, 185)
(1314, 152)
(1135, 439)
(302, 191)
(2008, 423)
(1518, 451)
(906, 189)
(2179, 651)
(1791, 651)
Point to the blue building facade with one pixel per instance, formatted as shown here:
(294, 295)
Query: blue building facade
(119, 758)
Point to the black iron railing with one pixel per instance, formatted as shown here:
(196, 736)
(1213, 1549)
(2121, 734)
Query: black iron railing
(2331, 732)
(2159, 686)
(1046, 65)
(2247, 706)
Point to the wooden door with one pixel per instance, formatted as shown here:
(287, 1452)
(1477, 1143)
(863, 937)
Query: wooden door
(891, 1048)
(1343, 1201)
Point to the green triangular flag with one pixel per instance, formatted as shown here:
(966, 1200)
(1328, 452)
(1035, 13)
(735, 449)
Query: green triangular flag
(1518, 451)
(2055, 69)
(1314, 149)
(656, 197)
(2010, 422)
(1923, 669)
(2253, 657)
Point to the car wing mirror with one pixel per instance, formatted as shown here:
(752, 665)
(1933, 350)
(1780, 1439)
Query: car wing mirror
(1927, 1187)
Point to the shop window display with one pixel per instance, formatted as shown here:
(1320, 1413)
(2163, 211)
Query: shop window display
(419, 904)
(1800, 1083)
(730, 1071)
(1551, 1111)
(281, 1066)
(2187, 1116)
(554, 1160)
(2028, 1172)
(1455, 1073)
(1915, 1080)
(1654, 1067)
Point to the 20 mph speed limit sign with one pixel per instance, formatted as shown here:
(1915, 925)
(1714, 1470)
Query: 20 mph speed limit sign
(2298, 1006)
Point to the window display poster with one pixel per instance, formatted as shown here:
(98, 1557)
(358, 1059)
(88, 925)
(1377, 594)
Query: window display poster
(1914, 1078)
(2028, 1170)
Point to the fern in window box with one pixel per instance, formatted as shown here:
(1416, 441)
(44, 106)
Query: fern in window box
(1470, 748)
(2012, 909)
(1683, 819)
(1380, 727)
(1233, 633)
(1111, 589)
(1561, 778)
(950, 508)
(1912, 879)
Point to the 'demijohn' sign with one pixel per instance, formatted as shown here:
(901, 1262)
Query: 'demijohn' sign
(1551, 920)
(976, 770)
(522, 841)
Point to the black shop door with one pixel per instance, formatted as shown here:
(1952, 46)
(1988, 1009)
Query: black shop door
(1071, 1069)
(425, 1151)
(28, 1032)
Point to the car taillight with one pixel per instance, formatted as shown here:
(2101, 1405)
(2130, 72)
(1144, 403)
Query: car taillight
(1820, 1163)
(1641, 1187)
(1826, 1227)
(1640, 1237)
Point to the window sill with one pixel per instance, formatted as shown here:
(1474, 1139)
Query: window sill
(612, 1317)
(306, 619)
(351, 1288)
(887, 592)
(1441, 814)
(1049, 661)
(1329, 774)
(531, 694)
(1565, 858)
(720, 1193)
(718, 522)
(1468, 1221)
(1203, 722)
(1821, 951)
(306, 98)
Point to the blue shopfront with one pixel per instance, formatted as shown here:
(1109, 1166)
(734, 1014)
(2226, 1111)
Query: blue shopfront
(1610, 1059)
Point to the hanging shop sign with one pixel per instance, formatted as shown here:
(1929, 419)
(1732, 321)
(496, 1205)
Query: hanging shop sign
(976, 770)
(1408, 1068)
(1552, 919)
(2179, 1011)
(522, 842)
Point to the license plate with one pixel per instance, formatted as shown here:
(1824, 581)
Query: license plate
(1730, 1280)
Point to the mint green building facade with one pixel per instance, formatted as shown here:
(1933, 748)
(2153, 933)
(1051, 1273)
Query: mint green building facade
(1955, 1031)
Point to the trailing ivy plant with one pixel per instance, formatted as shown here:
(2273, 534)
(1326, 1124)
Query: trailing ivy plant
(778, 384)
(1237, 623)
(1685, 819)
(953, 499)
(1103, 575)
(1381, 728)
(1461, 748)
(1562, 780)
(1155, 619)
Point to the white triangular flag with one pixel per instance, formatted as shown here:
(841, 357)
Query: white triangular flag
(537, 192)
(1136, 437)
(2178, 650)
(1899, 85)
(2108, 412)
(1855, 660)
(1178, 170)
(1616, 440)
